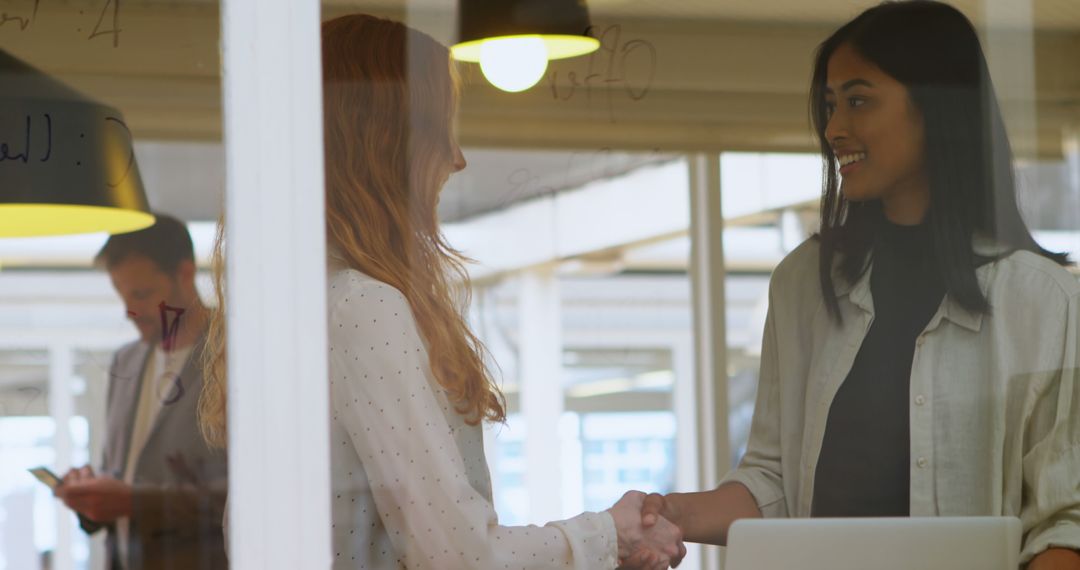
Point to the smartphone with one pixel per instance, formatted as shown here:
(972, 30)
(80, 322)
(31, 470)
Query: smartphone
(46, 476)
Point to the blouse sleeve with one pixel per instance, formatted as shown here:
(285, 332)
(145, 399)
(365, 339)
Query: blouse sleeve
(1050, 510)
(433, 516)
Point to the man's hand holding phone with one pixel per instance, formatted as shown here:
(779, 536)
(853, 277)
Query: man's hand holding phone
(100, 499)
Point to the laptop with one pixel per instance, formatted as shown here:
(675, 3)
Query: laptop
(948, 543)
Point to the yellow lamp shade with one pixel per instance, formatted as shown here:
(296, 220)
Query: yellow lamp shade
(558, 47)
(31, 220)
(67, 163)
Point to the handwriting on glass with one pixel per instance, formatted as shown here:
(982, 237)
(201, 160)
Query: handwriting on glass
(129, 142)
(32, 394)
(20, 21)
(602, 164)
(607, 68)
(35, 393)
(170, 328)
(169, 333)
(108, 16)
(525, 184)
(22, 150)
(35, 143)
(173, 392)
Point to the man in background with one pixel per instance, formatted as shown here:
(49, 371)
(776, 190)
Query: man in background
(160, 492)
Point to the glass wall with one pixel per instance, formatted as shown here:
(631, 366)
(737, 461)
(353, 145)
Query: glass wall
(596, 305)
(575, 205)
(105, 104)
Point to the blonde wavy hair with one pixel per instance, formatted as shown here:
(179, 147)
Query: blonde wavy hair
(389, 98)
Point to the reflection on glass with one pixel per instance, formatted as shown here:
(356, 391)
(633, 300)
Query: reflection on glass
(153, 70)
(158, 493)
(919, 354)
(409, 383)
(574, 203)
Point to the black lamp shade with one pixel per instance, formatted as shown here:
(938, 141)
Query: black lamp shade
(67, 163)
(480, 20)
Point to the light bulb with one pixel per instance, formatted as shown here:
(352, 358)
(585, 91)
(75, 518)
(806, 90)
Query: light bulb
(513, 64)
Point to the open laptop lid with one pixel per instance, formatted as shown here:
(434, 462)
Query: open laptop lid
(952, 543)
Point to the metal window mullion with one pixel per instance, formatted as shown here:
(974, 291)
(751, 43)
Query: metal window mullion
(709, 312)
(62, 409)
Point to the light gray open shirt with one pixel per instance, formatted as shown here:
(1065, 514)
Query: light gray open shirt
(994, 399)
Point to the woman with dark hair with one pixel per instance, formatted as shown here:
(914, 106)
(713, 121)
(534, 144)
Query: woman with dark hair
(920, 354)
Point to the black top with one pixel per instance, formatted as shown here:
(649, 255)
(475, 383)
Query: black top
(863, 469)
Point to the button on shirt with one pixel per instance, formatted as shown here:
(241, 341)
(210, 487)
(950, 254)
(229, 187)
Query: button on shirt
(411, 487)
(995, 429)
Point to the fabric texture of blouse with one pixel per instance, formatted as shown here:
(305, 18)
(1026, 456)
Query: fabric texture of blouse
(994, 399)
(410, 483)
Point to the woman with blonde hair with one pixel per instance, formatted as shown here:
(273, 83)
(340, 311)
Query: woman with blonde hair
(408, 384)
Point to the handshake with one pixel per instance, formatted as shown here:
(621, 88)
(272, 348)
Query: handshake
(646, 538)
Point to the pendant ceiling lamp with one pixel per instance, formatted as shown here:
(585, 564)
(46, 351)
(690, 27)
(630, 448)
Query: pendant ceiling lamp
(513, 40)
(67, 163)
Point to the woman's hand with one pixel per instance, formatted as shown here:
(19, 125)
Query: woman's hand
(656, 547)
(655, 507)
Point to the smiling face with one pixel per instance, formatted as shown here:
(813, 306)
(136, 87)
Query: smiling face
(877, 136)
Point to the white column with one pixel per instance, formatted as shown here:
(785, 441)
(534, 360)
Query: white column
(62, 408)
(684, 404)
(540, 369)
(572, 465)
(709, 310)
(279, 498)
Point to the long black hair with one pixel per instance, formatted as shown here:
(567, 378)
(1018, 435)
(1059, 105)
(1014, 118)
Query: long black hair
(933, 50)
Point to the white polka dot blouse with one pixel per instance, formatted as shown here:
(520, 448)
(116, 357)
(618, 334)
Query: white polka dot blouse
(411, 487)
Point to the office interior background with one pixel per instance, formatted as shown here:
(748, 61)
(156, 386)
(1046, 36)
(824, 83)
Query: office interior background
(605, 208)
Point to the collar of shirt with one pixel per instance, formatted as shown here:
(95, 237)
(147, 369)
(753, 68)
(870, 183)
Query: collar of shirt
(859, 291)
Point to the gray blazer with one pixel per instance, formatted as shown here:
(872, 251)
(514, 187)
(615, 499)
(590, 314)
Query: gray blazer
(179, 482)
